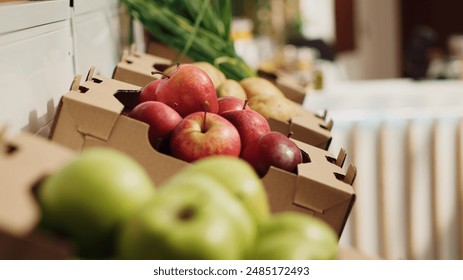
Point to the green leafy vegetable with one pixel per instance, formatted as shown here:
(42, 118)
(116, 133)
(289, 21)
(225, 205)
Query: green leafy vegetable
(199, 29)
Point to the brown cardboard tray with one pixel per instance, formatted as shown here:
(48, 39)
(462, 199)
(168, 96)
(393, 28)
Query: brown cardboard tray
(92, 113)
(25, 160)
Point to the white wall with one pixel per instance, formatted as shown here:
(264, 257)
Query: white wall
(318, 19)
(377, 53)
(41, 53)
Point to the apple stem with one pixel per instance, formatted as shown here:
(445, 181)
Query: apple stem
(245, 103)
(186, 213)
(164, 76)
(206, 106)
(290, 134)
(204, 122)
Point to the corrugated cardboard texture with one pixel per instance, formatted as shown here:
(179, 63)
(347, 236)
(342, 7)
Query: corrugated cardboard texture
(91, 115)
(321, 188)
(136, 68)
(24, 161)
(130, 137)
(307, 127)
(88, 109)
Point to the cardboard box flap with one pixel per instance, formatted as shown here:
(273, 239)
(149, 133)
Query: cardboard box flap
(320, 126)
(143, 62)
(96, 92)
(130, 137)
(25, 160)
(319, 199)
(327, 166)
(323, 170)
(307, 127)
(136, 68)
(318, 121)
(292, 88)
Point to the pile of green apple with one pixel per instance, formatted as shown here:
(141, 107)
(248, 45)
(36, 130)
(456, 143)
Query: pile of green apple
(215, 208)
(188, 120)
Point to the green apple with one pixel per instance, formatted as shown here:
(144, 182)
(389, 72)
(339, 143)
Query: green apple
(188, 219)
(239, 178)
(294, 236)
(87, 198)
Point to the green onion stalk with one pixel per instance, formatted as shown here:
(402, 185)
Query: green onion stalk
(199, 29)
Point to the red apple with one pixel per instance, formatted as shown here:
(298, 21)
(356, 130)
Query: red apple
(203, 134)
(227, 103)
(148, 92)
(272, 149)
(249, 123)
(161, 119)
(187, 90)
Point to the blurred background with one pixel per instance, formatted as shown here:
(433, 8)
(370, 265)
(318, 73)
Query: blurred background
(364, 39)
(390, 75)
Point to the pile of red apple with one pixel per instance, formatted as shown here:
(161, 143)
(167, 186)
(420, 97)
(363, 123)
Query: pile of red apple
(188, 121)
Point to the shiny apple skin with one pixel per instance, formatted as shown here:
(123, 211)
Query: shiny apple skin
(194, 138)
(272, 149)
(188, 89)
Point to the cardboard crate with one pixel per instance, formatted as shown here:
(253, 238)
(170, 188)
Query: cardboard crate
(321, 188)
(93, 114)
(25, 160)
(309, 127)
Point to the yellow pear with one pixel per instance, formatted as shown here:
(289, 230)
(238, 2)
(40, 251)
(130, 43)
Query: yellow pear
(231, 88)
(265, 98)
(260, 87)
(214, 73)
